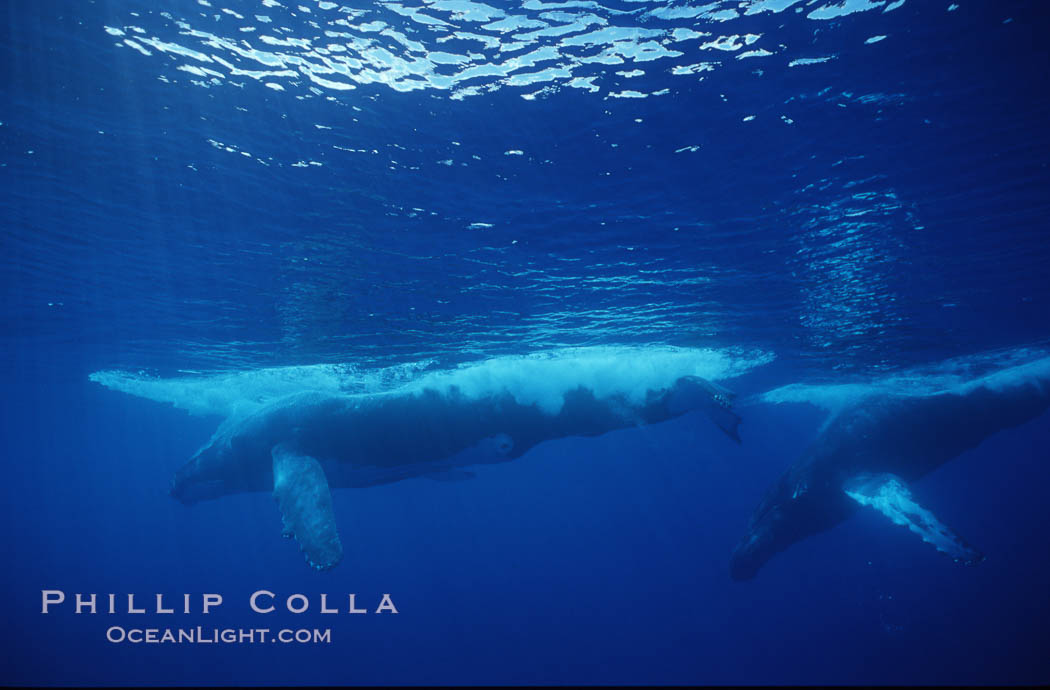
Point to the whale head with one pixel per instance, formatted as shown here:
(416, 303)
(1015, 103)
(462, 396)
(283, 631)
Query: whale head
(758, 545)
(800, 504)
(201, 478)
(231, 462)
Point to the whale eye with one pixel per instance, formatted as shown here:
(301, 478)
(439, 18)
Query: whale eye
(504, 444)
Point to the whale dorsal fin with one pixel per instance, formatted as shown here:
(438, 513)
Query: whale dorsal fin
(302, 493)
(888, 494)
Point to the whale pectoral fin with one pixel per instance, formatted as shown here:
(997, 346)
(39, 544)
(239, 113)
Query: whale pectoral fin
(889, 495)
(302, 493)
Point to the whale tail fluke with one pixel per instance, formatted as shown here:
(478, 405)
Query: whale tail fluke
(695, 393)
(726, 420)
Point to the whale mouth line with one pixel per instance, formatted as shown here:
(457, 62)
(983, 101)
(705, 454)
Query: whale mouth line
(748, 557)
(191, 492)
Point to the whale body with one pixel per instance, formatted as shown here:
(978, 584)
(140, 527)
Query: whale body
(300, 445)
(868, 452)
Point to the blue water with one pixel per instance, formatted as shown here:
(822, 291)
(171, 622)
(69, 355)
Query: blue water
(226, 200)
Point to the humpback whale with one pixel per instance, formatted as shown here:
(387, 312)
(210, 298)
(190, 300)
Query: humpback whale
(300, 445)
(867, 452)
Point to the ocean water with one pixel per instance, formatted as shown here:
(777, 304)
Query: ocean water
(210, 205)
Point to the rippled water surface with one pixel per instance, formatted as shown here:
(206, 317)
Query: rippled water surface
(849, 184)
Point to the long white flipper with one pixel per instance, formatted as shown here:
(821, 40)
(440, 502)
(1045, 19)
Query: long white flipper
(889, 495)
(302, 493)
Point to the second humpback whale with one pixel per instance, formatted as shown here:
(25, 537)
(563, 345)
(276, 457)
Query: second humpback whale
(867, 453)
(301, 444)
